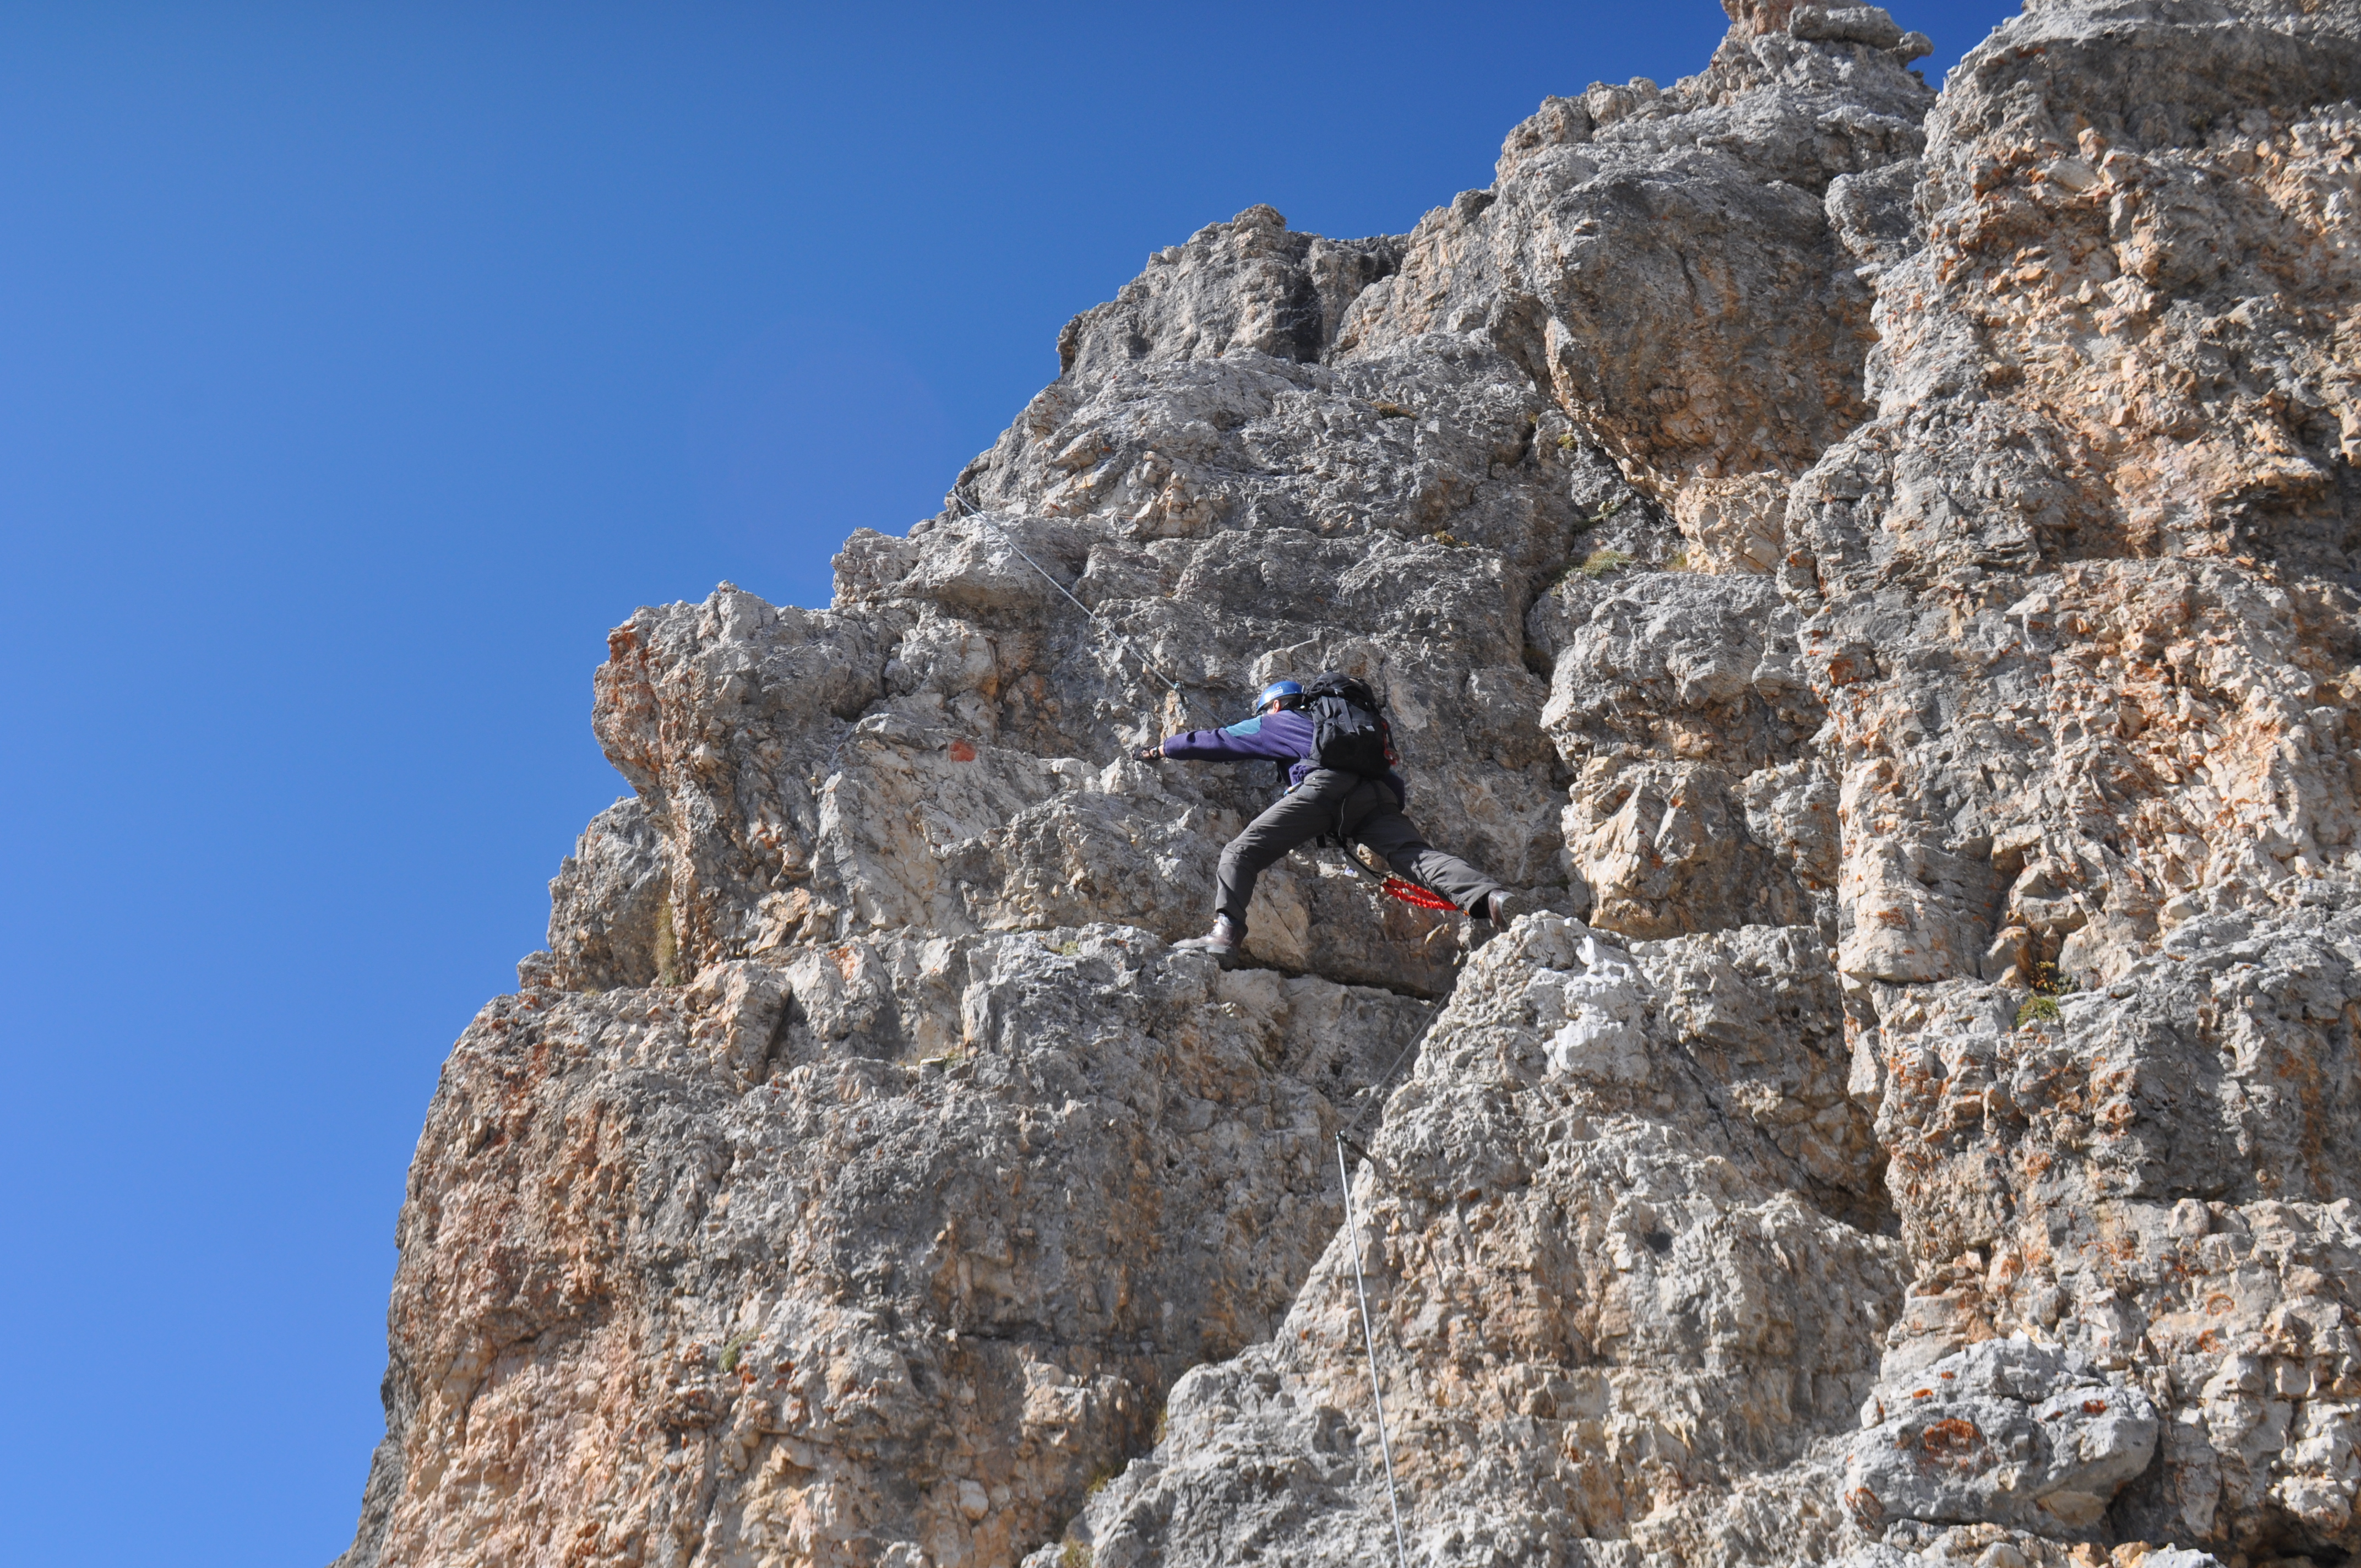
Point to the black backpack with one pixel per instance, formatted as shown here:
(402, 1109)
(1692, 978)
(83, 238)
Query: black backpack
(1348, 732)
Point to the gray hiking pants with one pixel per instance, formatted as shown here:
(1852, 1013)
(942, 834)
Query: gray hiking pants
(1363, 811)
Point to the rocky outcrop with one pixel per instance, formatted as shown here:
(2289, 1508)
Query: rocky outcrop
(897, 1241)
(1879, 566)
(2084, 581)
(1623, 1258)
(1251, 284)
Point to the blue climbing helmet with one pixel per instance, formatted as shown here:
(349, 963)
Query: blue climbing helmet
(1276, 690)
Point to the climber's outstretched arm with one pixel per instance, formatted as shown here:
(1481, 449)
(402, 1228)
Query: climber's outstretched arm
(1281, 737)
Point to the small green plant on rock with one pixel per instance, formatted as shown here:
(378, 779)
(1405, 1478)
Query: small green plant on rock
(1582, 525)
(2048, 985)
(1601, 562)
(1074, 1555)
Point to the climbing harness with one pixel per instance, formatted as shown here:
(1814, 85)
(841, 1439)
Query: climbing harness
(988, 520)
(1369, 1339)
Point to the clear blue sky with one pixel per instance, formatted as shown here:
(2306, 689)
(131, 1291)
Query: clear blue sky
(360, 364)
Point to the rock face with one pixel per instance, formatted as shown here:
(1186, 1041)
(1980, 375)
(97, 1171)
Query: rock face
(1623, 1259)
(1879, 566)
(805, 1258)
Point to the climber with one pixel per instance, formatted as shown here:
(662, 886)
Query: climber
(1357, 797)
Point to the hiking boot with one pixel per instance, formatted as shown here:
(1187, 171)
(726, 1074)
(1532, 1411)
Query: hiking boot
(1225, 943)
(1503, 905)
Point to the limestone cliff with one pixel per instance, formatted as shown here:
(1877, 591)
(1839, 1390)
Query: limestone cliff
(1881, 566)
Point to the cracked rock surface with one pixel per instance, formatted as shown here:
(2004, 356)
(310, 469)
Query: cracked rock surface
(1878, 566)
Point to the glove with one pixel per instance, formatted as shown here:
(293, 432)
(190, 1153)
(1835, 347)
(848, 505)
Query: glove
(1151, 753)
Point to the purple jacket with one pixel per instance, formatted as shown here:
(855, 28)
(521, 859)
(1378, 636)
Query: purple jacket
(1284, 736)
